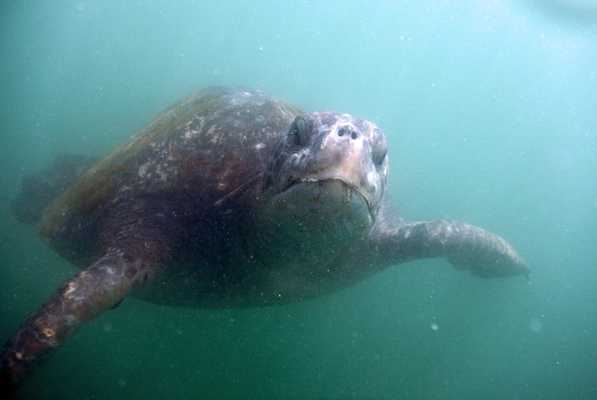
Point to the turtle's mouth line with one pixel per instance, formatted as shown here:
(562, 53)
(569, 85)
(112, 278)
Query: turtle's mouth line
(322, 181)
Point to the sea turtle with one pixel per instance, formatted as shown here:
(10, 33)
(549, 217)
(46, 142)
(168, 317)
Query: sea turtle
(231, 198)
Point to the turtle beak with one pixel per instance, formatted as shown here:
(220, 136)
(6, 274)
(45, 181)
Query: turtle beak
(349, 189)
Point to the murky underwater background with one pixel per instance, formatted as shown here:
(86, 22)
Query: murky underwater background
(491, 112)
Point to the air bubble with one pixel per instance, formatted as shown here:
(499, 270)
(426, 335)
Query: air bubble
(536, 325)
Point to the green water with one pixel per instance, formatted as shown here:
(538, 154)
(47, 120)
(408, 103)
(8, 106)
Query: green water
(490, 108)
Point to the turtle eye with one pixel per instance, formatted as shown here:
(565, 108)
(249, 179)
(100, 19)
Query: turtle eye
(299, 132)
(379, 155)
(379, 150)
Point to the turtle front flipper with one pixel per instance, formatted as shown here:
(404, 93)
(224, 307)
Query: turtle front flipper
(99, 287)
(465, 246)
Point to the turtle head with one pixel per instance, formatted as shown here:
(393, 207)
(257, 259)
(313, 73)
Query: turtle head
(331, 157)
(322, 192)
(328, 174)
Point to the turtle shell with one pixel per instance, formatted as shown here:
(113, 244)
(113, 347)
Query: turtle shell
(196, 153)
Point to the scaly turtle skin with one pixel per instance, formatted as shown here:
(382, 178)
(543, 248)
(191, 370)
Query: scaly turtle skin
(232, 199)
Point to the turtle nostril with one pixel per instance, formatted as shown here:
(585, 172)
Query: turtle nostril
(345, 130)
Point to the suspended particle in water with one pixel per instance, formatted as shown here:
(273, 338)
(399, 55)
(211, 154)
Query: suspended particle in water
(536, 325)
(434, 326)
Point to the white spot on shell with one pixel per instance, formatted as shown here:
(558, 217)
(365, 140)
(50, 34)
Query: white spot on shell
(211, 132)
(71, 288)
(189, 133)
(143, 170)
(161, 173)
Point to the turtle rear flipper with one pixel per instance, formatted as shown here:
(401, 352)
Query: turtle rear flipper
(38, 189)
(98, 288)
